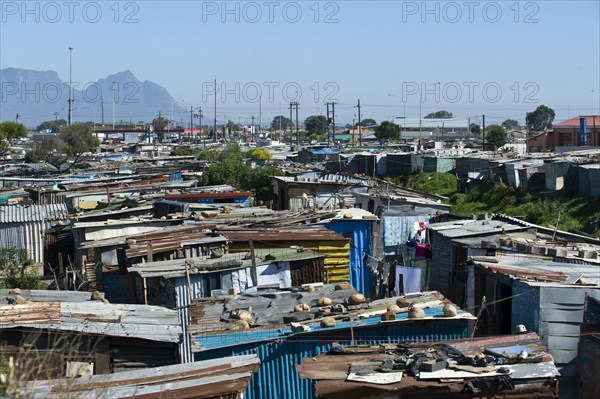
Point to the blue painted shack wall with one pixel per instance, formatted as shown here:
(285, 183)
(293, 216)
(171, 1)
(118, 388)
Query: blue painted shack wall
(277, 376)
(116, 287)
(360, 276)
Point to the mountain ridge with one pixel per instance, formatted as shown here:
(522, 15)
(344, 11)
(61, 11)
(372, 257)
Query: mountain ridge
(38, 96)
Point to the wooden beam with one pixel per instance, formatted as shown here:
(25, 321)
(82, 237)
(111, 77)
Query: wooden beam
(253, 257)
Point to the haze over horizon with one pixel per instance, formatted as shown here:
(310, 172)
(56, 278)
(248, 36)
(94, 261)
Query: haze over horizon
(501, 59)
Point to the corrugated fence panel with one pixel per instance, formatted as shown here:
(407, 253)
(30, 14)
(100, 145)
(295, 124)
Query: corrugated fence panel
(277, 376)
(337, 259)
(183, 300)
(26, 235)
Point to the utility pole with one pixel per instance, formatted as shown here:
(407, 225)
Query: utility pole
(359, 126)
(296, 104)
(113, 94)
(70, 86)
(17, 118)
(483, 130)
(102, 109)
(469, 128)
(200, 119)
(55, 116)
(252, 128)
(291, 128)
(191, 119)
(259, 114)
(331, 121)
(328, 123)
(215, 125)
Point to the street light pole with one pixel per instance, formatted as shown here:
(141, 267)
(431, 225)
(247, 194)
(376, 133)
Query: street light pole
(80, 108)
(171, 121)
(404, 108)
(113, 98)
(215, 125)
(70, 85)
(420, 114)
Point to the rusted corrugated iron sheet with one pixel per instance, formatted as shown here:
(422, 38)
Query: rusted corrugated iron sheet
(117, 184)
(31, 313)
(300, 233)
(307, 271)
(522, 272)
(219, 378)
(197, 196)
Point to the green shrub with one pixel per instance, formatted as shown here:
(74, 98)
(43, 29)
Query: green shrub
(17, 270)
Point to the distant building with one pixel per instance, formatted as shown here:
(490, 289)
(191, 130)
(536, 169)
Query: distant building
(428, 128)
(568, 134)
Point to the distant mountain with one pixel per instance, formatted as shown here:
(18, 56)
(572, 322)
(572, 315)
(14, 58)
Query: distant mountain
(37, 95)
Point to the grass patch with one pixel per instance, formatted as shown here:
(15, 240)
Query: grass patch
(576, 212)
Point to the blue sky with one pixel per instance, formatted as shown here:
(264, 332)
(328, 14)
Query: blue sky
(500, 58)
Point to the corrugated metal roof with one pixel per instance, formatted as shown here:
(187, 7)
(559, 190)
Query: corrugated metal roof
(466, 228)
(32, 213)
(537, 269)
(330, 178)
(135, 321)
(47, 296)
(432, 123)
(223, 378)
(177, 267)
(277, 376)
(218, 195)
(300, 233)
(208, 342)
(590, 166)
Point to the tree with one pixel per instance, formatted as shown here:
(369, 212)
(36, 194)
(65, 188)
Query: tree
(233, 127)
(285, 123)
(54, 126)
(227, 171)
(160, 123)
(387, 131)
(233, 172)
(10, 131)
(231, 151)
(440, 114)
(72, 141)
(78, 138)
(510, 124)
(259, 153)
(496, 136)
(367, 122)
(540, 119)
(475, 129)
(17, 271)
(50, 150)
(261, 181)
(317, 137)
(316, 124)
(208, 155)
(183, 151)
